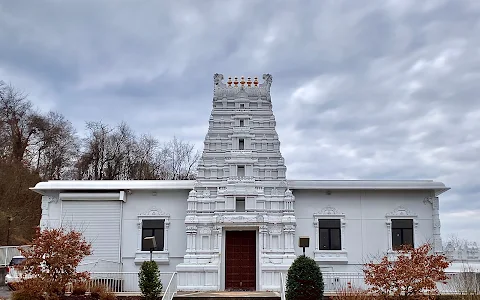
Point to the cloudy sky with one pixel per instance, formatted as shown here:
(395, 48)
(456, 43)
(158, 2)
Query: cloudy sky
(361, 89)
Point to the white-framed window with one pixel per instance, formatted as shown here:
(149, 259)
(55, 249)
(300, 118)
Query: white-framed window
(241, 144)
(402, 227)
(329, 241)
(240, 171)
(240, 204)
(154, 222)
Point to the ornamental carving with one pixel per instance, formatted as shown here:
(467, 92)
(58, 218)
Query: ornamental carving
(191, 229)
(206, 193)
(329, 210)
(240, 219)
(401, 211)
(205, 230)
(154, 212)
(275, 230)
(263, 229)
(289, 228)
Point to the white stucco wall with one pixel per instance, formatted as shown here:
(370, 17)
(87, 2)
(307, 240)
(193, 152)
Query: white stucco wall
(365, 217)
(365, 231)
(173, 202)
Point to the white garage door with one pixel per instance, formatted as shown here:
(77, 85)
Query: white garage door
(99, 221)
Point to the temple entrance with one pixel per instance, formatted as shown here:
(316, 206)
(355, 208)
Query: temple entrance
(240, 260)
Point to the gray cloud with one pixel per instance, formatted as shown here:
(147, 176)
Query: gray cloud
(367, 90)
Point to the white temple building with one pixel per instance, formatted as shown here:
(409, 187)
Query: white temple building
(237, 226)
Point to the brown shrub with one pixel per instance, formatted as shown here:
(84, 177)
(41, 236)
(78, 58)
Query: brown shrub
(79, 288)
(351, 293)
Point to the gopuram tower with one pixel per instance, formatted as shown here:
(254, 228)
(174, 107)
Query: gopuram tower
(240, 221)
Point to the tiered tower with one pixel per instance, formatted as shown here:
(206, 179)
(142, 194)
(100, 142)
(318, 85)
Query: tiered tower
(241, 184)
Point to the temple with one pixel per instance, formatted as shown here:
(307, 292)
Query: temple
(237, 226)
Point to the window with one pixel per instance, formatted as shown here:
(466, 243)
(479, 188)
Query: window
(330, 234)
(240, 171)
(402, 233)
(242, 105)
(240, 204)
(241, 144)
(242, 123)
(153, 228)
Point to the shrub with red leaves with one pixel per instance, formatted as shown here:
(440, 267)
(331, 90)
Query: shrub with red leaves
(414, 272)
(51, 262)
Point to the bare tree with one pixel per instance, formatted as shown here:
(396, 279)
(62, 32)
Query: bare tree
(18, 122)
(178, 160)
(116, 153)
(141, 164)
(55, 148)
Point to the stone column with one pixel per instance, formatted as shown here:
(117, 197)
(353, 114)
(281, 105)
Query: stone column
(437, 238)
(167, 225)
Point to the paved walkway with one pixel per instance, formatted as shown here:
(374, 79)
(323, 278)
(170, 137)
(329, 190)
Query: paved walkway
(4, 292)
(227, 294)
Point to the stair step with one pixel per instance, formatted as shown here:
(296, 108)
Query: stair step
(222, 295)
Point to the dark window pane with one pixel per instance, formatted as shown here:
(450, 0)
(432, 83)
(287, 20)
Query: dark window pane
(240, 204)
(335, 239)
(329, 223)
(396, 238)
(324, 239)
(153, 224)
(402, 223)
(159, 239)
(408, 237)
(153, 228)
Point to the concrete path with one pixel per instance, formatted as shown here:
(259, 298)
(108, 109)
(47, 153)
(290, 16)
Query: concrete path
(4, 292)
(227, 294)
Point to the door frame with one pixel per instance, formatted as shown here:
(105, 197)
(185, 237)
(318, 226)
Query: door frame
(223, 249)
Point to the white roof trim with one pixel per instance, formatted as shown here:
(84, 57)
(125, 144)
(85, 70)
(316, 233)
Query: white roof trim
(68, 185)
(438, 187)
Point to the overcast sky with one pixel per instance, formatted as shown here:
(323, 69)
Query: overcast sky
(361, 89)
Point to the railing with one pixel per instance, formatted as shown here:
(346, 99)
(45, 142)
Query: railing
(335, 281)
(458, 283)
(102, 265)
(7, 252)
(283, 282)
(127, 282)
(171, 288)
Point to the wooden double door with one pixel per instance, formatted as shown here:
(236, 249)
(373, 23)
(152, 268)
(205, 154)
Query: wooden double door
(241, 260)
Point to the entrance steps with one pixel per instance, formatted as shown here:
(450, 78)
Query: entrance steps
(224, 295)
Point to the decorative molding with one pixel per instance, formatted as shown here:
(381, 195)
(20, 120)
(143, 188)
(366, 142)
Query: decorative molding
(289, 228)
(275, 230)
(52, 199)
(205, 230)
(401, 211)
(329, 211)
(154, 212)
(263, 229)
(191, 229)
(338, 256)
(428, 200)
(239, 219)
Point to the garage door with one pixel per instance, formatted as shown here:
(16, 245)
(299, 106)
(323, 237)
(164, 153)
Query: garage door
(99, 221)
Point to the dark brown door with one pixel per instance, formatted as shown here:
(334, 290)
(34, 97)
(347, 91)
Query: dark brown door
(240, 260)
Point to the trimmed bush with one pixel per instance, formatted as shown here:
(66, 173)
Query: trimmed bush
(304, 281)
(149, 280)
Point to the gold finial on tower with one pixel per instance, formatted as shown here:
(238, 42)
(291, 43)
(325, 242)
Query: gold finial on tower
(235, 82)
(242, 82)
(249, 81)
(255, 81)
(229, 82)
